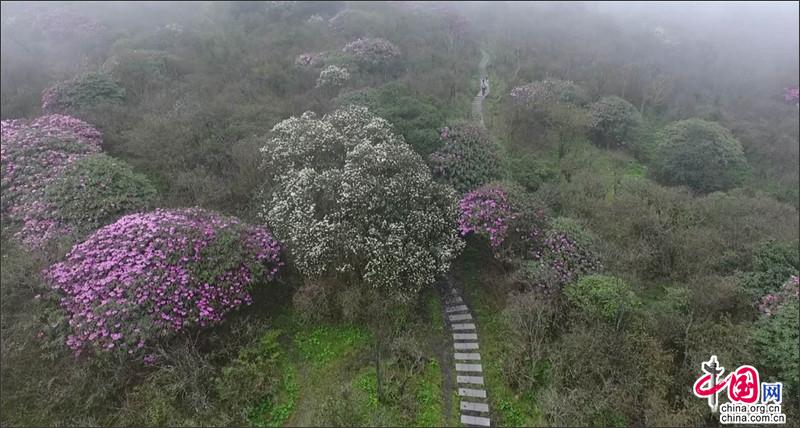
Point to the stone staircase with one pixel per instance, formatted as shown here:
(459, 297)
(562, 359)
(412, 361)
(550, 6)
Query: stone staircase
(474, 405)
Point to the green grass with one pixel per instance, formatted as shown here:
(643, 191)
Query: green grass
(429, 396)
(325, 344)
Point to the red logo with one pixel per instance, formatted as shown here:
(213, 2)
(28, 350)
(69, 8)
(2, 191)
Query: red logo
(742, 384)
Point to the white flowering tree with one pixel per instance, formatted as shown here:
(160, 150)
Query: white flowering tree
(332, 78)
(350, 197)
(351, 200)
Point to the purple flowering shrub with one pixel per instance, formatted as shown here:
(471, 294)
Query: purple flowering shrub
(467, 159)
(151, 275)
(32, 155)
(505, 215)
(372, 52)
(486, 212)
(562, 255)
(770, 302)
(82, 92)
(792, 95)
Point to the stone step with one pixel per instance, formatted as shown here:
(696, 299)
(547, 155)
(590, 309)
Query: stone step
(460, 317)
(467, 356)
(468, 367)
(465, 336)
(469, 392)
(474, 407)
(454, 292)
(463, 326)
(458, 308)
(477, 380)
(465, 345)
(455, 300)
(475, 420)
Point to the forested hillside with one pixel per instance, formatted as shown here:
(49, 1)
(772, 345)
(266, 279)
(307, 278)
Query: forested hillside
(318, 214)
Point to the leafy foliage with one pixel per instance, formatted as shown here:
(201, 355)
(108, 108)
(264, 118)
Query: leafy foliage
(417, 119)
(602, 297)
(775, 336)
(95, 190)
(82, 92)
(611, 121)
(702, 155)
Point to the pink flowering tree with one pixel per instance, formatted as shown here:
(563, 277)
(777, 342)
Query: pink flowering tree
(150, 276)
(33, 154)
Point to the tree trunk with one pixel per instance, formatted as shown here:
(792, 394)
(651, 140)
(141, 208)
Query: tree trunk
(378, 368)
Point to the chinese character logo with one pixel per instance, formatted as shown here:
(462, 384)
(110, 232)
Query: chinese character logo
(771, 392)
(742, 384)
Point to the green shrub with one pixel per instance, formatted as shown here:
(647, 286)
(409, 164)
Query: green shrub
(602, 297)
(90, 90)
(601, 377)
(531, 172)
(94, 191)
(611, 120)
(702, 155)
(773, 262)
(254, 376)
(775, 338)
(418, 119)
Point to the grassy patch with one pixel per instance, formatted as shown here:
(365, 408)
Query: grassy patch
(429, 393)
(324, 344)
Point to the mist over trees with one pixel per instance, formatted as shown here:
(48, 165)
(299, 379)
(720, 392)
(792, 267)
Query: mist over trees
(252, 213)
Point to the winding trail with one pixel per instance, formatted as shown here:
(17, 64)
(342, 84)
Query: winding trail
(477, 102)
(474, 402)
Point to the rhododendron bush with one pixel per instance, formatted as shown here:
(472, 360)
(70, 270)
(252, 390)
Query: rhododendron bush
(467, 159)
(506, 215)
(148, 276)
(560, 253)
(486, 211)
(33, 154)
(351, 197)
